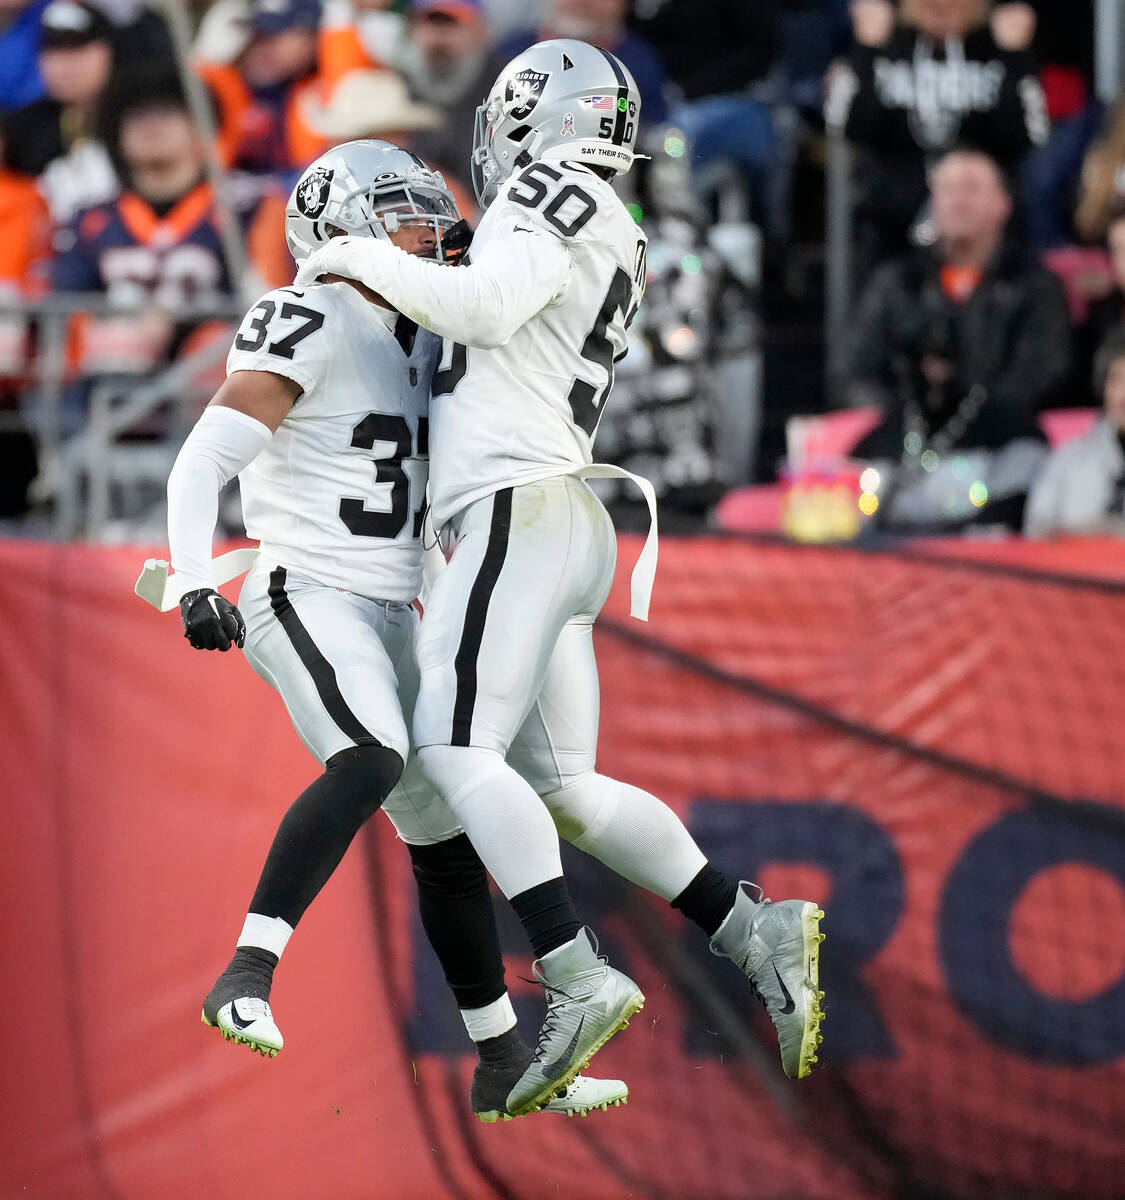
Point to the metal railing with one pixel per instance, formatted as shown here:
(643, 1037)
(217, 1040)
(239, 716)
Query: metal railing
(1109, 48)
(78, 470)
(838, 266)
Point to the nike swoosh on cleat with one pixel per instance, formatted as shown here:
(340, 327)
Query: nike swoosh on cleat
(563, 1061)
(246, 1024)
(788, 999)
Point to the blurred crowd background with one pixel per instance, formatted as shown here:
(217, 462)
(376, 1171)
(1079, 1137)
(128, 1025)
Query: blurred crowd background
(886, 268)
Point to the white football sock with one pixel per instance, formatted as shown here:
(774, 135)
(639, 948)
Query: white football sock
(631, 831)
(265, 933)
(491, 1020)
(506, 821)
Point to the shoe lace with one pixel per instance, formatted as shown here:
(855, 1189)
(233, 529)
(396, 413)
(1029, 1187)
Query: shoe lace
(556, 998)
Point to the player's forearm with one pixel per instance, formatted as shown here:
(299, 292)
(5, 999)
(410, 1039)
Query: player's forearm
(467, 304)
(193, 508)
(479, 305)
(222, 443)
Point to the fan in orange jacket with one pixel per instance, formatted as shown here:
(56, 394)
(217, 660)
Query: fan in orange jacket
(25, 234)
(359, 34)
(259, 92)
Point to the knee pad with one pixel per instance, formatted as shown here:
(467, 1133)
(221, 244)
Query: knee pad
(362, 777)
(457, 771)
(582, 806)
(451, 869)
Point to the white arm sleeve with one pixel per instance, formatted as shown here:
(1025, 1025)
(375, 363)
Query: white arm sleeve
(479, 305)
(223, 442)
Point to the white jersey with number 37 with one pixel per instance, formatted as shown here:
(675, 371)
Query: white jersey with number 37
(529, 409)
(338, 492)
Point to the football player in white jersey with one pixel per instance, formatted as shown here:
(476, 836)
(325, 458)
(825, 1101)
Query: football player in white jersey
(324, 418)
(534, 325)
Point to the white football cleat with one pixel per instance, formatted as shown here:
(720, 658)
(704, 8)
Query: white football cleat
(777, 947)
(585, 1095)
(247, 1020)
(587, 1003)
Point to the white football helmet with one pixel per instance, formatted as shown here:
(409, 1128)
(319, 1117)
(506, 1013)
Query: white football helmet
(561, 99)
(367, 189)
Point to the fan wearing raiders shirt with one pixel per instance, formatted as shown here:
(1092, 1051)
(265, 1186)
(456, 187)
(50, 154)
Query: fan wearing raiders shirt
(323, 417)
(919, 82)
(506, 723)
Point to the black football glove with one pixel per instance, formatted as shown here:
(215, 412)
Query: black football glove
(455, 242)
(210, 622)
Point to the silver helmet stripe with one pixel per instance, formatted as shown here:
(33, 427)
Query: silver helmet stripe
(621, 114)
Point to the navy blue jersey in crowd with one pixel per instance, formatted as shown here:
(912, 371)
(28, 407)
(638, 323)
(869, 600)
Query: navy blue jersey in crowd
(133, 254)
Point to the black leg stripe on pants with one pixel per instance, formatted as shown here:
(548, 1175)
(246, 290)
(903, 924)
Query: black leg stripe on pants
(321, 670)
(476, 612)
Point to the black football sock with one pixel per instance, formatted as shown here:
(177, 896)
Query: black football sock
(548, 915)
(502, 1061)
(459, 920)
(505, 1053)
(708, 899)
(249, 973)
(319, 827)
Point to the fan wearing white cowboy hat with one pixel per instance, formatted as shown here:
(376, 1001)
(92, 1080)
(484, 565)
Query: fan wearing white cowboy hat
(368, 104)
(376, 104)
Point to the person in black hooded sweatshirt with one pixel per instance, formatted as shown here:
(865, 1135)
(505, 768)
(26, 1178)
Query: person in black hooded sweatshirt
(941, 73)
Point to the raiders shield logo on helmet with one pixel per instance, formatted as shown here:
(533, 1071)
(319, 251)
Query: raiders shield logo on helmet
(522, 93)
(312, 195)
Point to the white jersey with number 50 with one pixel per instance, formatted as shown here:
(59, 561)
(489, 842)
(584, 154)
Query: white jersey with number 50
(338, 492)
(529, 409)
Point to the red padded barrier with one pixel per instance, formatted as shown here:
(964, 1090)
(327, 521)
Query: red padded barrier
(859, 726)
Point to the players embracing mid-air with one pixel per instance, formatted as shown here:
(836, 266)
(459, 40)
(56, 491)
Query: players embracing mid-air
(499, 684)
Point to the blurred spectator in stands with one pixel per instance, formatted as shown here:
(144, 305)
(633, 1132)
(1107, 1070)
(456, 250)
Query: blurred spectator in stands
(1105, 313)
(20, 81)
(25, 236)
(960, 345)
(719, 54)
(506, 16)
(1102, 187)
(1064, 49)
(224, 29)
(156, 249)
(358, 34)
(25, 239)
(376, 104)
(946, 74)
(448, 64)
(54, 138)
(271, 69)
(601, 22)
(1082, 487)
(140, 33)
